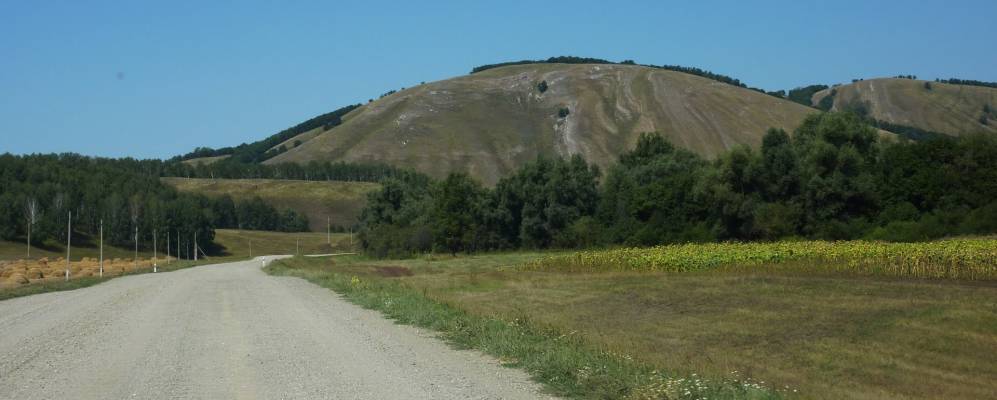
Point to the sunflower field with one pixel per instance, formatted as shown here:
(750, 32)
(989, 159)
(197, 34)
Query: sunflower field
(965, 259)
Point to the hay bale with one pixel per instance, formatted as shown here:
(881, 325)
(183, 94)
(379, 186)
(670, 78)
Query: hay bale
(18, 279)
(35, 273)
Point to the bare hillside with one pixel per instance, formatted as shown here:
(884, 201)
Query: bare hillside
(489, 123)
(939, 107)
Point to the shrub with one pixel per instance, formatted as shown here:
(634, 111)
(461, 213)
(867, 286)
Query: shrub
(542, 86)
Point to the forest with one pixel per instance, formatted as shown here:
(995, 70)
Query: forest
(834, 179)
(125, 196)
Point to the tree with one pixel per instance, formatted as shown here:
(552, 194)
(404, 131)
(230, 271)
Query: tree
(836, 153)
(456, 212)
(648, 197)
(31, 214)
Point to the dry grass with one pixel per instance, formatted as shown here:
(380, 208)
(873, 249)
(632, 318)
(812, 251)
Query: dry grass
(237, 242)
(489, 123)
(340, 201)
(204, 160)
(827, 334)
(950, 109)
(26, 272)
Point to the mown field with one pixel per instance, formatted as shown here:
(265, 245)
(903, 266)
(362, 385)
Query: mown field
(784, 320)
(340, 202)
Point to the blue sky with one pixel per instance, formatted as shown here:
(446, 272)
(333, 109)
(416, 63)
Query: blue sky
(147, 79)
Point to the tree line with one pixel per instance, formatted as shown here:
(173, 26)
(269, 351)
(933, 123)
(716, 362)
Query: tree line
(125, 196)
(586, 60)
(832, 179)
(311, 171)
(969, 82)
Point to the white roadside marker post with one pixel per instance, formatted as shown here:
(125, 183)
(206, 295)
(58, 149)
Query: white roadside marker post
(101, 273)
(69, 242)
(155, 255)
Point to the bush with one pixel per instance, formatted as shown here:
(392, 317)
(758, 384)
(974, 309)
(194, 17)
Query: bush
(982, 220)
(542, 86)
(563, 112)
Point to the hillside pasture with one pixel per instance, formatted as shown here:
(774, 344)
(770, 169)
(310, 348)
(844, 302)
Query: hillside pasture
(340, 201)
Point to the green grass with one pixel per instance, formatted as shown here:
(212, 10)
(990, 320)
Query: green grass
(828, 334)
(565, 364)
(341, 202)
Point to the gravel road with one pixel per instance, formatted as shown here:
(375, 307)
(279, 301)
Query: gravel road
(229, 331)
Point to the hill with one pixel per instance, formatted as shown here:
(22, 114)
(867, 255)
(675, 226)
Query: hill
(490, 122)
(932, 106)
(340, 201)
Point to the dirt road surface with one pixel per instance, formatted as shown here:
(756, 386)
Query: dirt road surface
(229, 331)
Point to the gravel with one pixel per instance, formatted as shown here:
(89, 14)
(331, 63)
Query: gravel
(229, 331)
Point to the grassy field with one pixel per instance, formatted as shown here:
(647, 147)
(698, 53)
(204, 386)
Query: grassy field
(205, 160)
(821, 332)
(339, 201)
(489, 123)
(237, 243)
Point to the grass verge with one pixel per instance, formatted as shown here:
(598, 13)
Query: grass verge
(566, 364)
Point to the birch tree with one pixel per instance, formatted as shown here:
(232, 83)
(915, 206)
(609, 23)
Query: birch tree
(31, 214)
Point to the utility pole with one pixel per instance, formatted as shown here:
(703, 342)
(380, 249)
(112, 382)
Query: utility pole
(69, 242)
(101, 248)
(155, 253)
